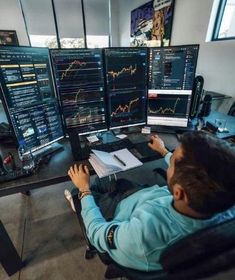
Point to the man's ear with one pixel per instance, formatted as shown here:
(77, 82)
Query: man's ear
(179, 193)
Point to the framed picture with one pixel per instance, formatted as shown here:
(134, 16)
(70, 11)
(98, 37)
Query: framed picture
(151, 24)
(9, 38)
(142, 24)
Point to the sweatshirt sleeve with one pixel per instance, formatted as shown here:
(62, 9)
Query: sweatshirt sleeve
(167, 158)
(106, 236)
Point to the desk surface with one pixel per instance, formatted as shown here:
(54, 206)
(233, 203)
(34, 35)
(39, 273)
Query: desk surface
(56, 170)
(230, 123)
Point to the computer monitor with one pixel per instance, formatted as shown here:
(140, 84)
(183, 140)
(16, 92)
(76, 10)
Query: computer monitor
(29, 97)
(80, 85)
(126, 85)
(171, 75)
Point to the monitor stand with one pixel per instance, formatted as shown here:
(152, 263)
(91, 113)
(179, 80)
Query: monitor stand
(107, 137)
(79, 152)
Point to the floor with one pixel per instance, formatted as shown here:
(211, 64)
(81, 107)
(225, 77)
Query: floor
(46, 233)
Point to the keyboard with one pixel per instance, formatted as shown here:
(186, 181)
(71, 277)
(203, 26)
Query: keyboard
(13, 175)
(114, 146)
(146, 152)
(48, 150)
(108, 147)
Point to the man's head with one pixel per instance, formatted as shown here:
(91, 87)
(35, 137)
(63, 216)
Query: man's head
(202, 173)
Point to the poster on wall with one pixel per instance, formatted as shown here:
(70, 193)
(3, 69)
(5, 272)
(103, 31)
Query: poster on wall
(151, 24)
(142, 24)
(8, 38)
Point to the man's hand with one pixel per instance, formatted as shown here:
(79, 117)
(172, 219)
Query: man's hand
(157, 145)
(80, 177)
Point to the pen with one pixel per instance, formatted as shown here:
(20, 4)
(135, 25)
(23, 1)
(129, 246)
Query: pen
(118, 159)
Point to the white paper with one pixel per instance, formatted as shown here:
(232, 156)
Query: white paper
(121, 136)
(105, 163)
(92, 138)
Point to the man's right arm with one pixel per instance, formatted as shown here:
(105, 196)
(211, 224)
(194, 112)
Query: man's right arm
(157, 145)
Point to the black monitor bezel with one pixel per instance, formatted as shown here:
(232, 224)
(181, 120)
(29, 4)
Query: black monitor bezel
(6, 108)
(146, 88)
(170, 47)
(68, 129)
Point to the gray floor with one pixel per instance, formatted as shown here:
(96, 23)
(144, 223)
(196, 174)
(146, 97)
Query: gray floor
(47, 235)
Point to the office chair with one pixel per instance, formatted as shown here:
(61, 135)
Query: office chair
(201, 254)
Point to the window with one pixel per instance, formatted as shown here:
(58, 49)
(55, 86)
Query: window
(67, 23)
(40, 23)
(97, 23)
(225, 21)
(70, 23)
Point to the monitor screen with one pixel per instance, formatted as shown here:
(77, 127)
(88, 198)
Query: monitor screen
(29, 96)
(80, 85)
(171, 75)
(126, 83)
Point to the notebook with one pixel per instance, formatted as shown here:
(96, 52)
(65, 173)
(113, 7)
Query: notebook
(106, 164)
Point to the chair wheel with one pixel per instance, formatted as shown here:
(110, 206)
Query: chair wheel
(89, 254)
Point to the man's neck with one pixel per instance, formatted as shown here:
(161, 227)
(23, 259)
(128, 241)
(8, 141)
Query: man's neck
(184, 209)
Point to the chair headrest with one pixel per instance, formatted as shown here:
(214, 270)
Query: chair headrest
(199, 245)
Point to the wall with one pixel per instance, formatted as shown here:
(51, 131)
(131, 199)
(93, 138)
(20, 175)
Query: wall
(11, 19)
(216, 61)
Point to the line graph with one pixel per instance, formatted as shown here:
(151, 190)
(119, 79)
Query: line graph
(125, 108)
(168, 105)
(131, 70)
(68, 70)
(163, 111)
(84, 115)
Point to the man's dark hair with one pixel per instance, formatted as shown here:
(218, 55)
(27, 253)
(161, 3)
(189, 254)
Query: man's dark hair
(206, 172)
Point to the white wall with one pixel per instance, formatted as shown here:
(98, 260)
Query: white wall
(216, 61)
(11, 19)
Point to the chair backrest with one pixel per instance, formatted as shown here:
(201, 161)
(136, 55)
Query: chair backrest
(205, 251)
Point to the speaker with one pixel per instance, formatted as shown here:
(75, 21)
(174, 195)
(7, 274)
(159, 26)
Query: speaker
(206, 106)
(196, 96)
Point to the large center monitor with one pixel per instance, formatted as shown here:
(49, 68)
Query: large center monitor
(126, 77)
(29, 97)
(80, 85)
(171, 75)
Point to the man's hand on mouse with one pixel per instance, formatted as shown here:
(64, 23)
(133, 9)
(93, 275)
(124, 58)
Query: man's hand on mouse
(157, 145)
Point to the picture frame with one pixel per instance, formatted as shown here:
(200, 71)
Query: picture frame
(151, 24)
(8, 38)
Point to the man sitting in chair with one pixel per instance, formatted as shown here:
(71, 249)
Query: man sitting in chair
(145, 221)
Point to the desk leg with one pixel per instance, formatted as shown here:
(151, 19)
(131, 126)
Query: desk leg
(9, 257)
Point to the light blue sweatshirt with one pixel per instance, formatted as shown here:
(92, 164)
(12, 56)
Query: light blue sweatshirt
(144, 224)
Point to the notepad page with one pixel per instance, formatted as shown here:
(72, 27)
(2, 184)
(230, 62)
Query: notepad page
(107, 159)
(128, 158)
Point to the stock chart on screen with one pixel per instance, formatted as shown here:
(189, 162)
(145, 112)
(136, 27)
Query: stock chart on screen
(126, 76)
(29, 95)
(171, 76)
(80, 85)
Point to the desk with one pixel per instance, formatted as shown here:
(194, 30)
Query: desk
(230, 123)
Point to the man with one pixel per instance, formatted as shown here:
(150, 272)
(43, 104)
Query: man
(201, 192)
